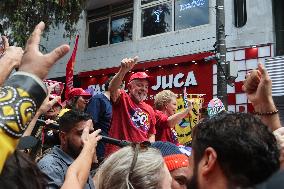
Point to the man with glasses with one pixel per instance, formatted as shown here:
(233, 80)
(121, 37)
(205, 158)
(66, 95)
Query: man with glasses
(133, 120)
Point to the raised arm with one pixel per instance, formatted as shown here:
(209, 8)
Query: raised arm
(78, 172)
(24, 92)
(177, 117)
(258, 87)
(46, 105)
(126, 65)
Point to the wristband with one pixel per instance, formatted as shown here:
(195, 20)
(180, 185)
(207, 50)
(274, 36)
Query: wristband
(266, 113)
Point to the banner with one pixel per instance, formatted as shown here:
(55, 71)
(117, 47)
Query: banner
(58, 89)
(184, 128)
(70, 69)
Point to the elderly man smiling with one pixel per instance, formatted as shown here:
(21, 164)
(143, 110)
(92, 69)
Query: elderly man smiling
(133, 119)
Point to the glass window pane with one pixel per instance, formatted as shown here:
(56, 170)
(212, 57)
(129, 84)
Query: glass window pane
(121, 28)
(190, 13)
(147, 1)
(98, 33)
(156, 19)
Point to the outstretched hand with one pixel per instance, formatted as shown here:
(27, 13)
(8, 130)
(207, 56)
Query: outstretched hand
(34, 61)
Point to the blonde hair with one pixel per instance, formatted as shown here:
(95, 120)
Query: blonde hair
(163, 98)
(147, 173)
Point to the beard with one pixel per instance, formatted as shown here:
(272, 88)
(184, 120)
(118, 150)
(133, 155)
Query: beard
(72, 150)
(140, 97)
(193, 182)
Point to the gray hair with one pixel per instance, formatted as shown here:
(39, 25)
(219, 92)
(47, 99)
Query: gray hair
(147, 173)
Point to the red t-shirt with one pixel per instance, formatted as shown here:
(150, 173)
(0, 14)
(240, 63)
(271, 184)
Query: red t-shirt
(164, 132)
(130, 121)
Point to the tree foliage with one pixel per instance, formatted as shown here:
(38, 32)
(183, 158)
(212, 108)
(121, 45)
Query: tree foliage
(19, 17)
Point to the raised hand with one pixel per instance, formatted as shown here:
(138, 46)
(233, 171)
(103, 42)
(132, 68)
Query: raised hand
(34, 61)
(128, 63)
(258, 87)
(90, 140)
(47, 103)
(12, 54)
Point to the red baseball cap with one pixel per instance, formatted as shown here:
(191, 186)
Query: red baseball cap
(141, 75)
(78, 92)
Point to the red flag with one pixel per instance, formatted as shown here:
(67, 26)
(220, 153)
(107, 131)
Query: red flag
(70, 69)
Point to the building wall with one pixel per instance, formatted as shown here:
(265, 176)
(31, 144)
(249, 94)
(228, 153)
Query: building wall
(258, 30)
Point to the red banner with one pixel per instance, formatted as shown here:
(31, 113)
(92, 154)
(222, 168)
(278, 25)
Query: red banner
(70, 68)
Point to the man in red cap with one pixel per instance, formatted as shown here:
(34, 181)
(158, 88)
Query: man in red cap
(133, 120)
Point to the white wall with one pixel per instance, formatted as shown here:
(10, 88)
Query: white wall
(258, 30)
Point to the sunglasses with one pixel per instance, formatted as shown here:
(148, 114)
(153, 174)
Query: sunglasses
(137, 147)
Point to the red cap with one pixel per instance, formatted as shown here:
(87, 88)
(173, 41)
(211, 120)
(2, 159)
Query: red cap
(140, 75)
(78, 92)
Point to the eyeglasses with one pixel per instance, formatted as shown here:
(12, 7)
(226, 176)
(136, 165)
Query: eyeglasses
(137, 147)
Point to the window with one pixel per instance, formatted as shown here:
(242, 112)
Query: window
(110, 24)
(98, 33)
(121, 28)
(191, 13)
(156, 20)
(168, 15)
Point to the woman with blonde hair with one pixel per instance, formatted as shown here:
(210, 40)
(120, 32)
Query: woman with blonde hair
(166, 116)
(132, 167)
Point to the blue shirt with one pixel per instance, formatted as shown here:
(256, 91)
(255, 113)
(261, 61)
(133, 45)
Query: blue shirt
(100, 109)
(55, 165)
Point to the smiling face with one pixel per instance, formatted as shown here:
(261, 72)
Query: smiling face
(138, 89)
(170, 108)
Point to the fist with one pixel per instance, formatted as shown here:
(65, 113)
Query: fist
(252, 81)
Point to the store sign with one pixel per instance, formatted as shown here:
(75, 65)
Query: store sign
(197, 78)
(170, 81)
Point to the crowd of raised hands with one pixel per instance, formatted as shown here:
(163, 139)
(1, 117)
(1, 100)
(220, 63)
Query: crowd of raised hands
(26, 85)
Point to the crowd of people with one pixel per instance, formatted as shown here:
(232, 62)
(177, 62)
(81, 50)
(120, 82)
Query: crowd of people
(68, 146)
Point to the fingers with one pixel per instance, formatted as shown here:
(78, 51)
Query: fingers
(54, 101)
(34, 40)
(96, 134)
(5, 42)
(262, 70)
(51, 87)
(57, 53)
(135, 59)
(85, 133)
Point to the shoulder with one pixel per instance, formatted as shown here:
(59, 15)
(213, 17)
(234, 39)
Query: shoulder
(49, 162)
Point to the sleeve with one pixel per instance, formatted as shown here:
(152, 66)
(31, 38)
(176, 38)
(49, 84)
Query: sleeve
(20, 97)
(152, 129)
(54, 172)
(94, 109)
(161, 120)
